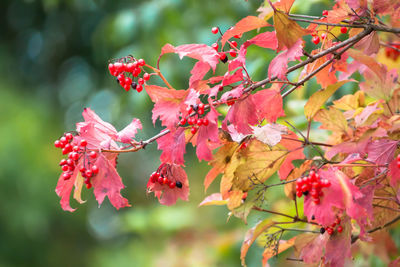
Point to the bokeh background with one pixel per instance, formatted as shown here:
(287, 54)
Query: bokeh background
(53, 58)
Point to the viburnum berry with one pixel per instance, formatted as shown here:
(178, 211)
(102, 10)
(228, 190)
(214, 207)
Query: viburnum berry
(134, 85)
(223, 57)
(88, 185)
(315, 40)
(57, 144)
(172, 185)
(205, 121)
(325, 13)
(139, 88)
(160, 179)
(199, 122)
(232, 53)
(329, 230)
(88, 173)
(343, 30)
(178, 184)
(141, 62)
(146, 76)
(237, 36)
(323, 36)
(193, 130)
(215, 46)
(339, 229)
(322, 230)
(214, 30)
(66, 175)
(63, 162)
(93, 154)
(83, 143)
(65, 168)
(95, 169)
(234, 43)
(182, 121)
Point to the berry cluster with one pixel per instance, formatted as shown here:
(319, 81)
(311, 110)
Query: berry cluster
(157, 177)
(126, 70)
(222, 54)
(311, 185)
(315, 38)
(75, 151)
(331, 229)
(392, 53)
(398, 161)
(195, 121)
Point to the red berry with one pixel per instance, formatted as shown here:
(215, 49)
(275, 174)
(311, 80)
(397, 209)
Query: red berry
(127, 87)
(69, 136)
(323, 36)
(111, 68)
(139, 88)
(63, 162)
(205, 121)
(201, 106)
(223, 57)
(146, 76)
(339, 229)
(140, 81)
(398, 157)
(329, 230)
(315, 40)
(65, 168)
(232, 53)
(141, 62)
(66, 175)
(82, 169)
(193, 130)
(83, 143)
(398, 164)
(234, 43)
(75, 148)
(57, 144)
(130, 67)
(63, 140)
(165, 180)
(316, 201)
(70, 162)
(343, 30)
(89, 185)
(236, 36)
(215, 46)
(93, 154)
(65, 151)
(95, 169)
(172, 185)
(214, 30)
(191, 120)
(325, 13)
(299, 193)
(199, 122)
(182, 121)
(88, 173)
(160, 179)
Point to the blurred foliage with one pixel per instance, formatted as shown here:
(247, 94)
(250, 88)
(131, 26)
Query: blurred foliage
(53, 58)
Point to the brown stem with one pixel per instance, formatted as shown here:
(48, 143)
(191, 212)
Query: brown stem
(355, 238)
(301, 141)
(295, 218)
(158, 72)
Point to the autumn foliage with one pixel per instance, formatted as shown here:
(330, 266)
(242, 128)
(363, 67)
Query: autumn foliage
(350, 184)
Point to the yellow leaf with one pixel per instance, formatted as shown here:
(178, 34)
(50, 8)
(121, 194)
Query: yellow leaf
(288, 32)
(213, 199)
(319, 98)
(78, 188)
(332, 119)
(350, 102)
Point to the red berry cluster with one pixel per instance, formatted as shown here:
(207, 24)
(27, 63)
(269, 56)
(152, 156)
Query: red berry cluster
(75, 151)
(222, 54)
(162, 179)
(331, 229)
(392, 53)
(126, 70)
(195, 121)
(315, 38)
(398, 161)
(311, 185)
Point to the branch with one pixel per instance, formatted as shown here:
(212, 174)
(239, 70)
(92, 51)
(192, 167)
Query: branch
(356, 237)
(295, 218)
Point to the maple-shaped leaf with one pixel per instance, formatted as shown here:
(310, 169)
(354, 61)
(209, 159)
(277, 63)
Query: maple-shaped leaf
(311, 247)
(341, 195)
(350, 102)
(269, 105)
(278, 66)
(64, 189)
(252, 235)
(221, 159)
(288, 31)
(201, 52)
(213, 199)
(295, 150)
(207, 134)
(167, 104)
(199, 70)
(319, 98)
(381, 151)
(264, 39)
(241, 115)
(252, 165)
(270, 134)
(332, 119)
(173, 146)
(108, 182)
(244, 25)
(166, 195)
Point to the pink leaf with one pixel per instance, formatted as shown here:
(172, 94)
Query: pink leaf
(247, 24)
(207, 134)
(232, 78)
(369, 44)
(269, 105)
(108, 183)
(213, 199)
(199, 70)
(173, 146)
(381, 151)
(279, 64)
(200, 52)
(313, 251)
(129, 132)
(166, 195)
(296, 153)
(338, 248)
(394, 173)
(364, 115)
(64, 188)
(241, 115)
(167, 104)
(91, 117)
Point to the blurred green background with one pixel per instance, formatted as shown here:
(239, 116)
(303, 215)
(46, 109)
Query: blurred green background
(53, 58)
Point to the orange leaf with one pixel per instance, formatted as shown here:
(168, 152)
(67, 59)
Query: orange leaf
(287, 31)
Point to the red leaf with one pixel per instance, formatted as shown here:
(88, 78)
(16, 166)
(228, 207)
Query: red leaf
(64, 188)
(207, 134)
(381, 151)
(129, 132)
(167, 104)
(200, 52)
(108, 183)
(287, 166)
(199, 70)
(232, 78)
(279, 64)
(173, 146)
(338, 248)
(394, 173)
(247, 24)
(269, 105)
(241, 115)
(166, 195)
